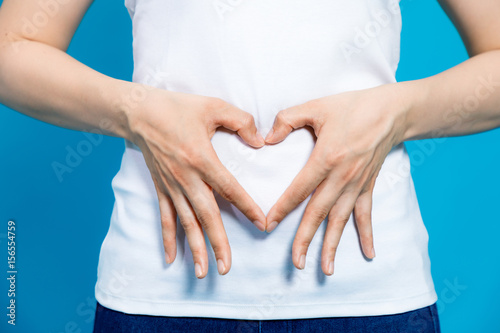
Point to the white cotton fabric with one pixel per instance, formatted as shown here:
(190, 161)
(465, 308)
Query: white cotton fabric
(264, 56)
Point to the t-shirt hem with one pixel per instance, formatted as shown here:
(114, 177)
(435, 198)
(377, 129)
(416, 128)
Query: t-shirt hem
(263, 311)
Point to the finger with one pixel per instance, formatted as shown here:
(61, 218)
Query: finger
(193, 230)
(237, 120)
(315, 213)
(292, 118)
(363, 219)
(167, 212)
(207, 212)
(337, 219)
(168, 225)
(306, 181)
(223, 182)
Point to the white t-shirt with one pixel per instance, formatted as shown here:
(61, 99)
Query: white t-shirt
(263, 56)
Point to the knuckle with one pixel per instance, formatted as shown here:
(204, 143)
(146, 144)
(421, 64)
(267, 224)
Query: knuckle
(168, 236)
(317, 214)
(301, 193)
(366, 190)
(184, 155)
(215, 104)
(189, 225)
(331, 248)
(198, 160)
(207, 218)
(169, 242)
(177, 172)
(166, 221)
(315, 104)
(354, 172)
(281, 211)
(319, 165)
(281, 117)
(197, 197)
(197, 252)
(191, 156)
(333, 158)
(301, 243)
(227, 188)
(340, 220)
(246, 120)
(220, 247)
(367, 237)
(363, 216)
(249, 211)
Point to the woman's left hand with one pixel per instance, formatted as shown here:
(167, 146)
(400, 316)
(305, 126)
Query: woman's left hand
(355, 131)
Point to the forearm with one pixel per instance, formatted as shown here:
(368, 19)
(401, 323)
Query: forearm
(462, 100)
(45, 83)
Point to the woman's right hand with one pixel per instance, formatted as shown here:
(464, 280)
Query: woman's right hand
(173, 131)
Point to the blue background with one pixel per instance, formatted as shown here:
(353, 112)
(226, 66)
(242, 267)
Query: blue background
(60, 225)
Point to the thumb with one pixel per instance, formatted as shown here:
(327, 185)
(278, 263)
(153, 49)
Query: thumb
(239, 121)
(289, 119)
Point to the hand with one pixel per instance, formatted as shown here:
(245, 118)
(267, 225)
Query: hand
(173, 131)
(355, 131)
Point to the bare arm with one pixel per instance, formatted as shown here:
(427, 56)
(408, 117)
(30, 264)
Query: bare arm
(173, 130)
(39, 79)
(356, 130)
(466, 98)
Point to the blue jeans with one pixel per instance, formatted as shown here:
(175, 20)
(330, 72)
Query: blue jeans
(424, 320)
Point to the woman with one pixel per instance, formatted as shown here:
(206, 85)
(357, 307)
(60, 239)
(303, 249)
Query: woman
(212, 77)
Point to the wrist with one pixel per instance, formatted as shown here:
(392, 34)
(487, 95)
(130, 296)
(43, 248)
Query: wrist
(412, 93)
(127, 103)
(394, 101)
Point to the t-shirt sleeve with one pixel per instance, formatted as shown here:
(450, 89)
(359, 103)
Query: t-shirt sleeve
(130, 5)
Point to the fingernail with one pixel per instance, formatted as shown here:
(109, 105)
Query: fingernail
(373, 252)
(220, 266)
(197, 270)
(260, 225)
(330, 268)
(272, 226)
(302, 261)
(270, 134)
